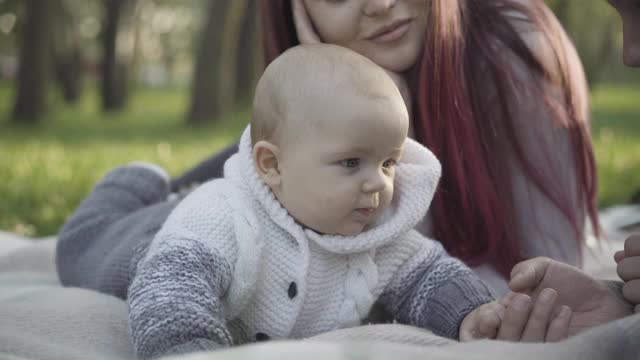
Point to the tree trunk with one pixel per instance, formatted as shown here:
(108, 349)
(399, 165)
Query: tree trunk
(114, 77)
(234, 19)
(249, 59)
(35, 61)
(67, 54)
(204, 88)
(69, 74)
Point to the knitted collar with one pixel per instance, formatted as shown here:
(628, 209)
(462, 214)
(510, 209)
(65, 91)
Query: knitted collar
(416, 179)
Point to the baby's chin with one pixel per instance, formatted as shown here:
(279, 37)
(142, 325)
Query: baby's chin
(351, 230)
(354, 230)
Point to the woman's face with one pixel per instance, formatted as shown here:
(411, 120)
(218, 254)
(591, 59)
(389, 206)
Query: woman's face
(389, 32)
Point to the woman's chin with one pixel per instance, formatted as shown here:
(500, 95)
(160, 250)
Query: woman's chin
(398, 61)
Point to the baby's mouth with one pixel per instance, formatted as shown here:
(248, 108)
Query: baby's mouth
(366, 212)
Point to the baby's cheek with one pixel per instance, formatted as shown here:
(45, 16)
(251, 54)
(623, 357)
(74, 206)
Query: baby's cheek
(387, 195)
(327, 204)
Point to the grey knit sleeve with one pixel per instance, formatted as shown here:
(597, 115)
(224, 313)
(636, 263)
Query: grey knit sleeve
(175, 301)
(434, 290)
(176, 298)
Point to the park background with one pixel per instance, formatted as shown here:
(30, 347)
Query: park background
(86, 85)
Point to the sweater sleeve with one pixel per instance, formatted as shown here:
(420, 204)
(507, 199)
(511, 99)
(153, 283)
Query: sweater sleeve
(433, 290)
(176, 298)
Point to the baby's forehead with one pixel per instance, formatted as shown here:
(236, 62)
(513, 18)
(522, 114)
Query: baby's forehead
(315, 79)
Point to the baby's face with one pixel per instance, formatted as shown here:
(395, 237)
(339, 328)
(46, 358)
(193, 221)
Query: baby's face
(337, 177)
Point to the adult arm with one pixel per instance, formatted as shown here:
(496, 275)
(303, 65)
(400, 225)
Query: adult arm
(594, 302)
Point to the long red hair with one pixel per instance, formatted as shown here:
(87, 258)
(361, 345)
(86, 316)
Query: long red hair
(473, 209)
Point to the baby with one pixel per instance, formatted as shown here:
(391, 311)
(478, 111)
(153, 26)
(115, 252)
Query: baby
(312, 223)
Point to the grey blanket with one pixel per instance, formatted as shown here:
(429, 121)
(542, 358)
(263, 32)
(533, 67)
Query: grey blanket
(39, 319)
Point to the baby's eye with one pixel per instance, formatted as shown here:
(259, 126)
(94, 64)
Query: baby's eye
(350, 163)
(389, 163)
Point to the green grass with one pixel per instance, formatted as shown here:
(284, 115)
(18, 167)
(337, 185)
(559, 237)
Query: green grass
(616, 136)
(47, 170)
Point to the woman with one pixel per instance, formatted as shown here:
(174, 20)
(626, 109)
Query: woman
(497, 92)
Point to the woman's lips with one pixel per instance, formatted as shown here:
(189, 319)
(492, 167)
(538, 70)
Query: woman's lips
(391, 33)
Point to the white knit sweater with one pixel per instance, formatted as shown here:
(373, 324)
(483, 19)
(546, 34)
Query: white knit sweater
(279, 280)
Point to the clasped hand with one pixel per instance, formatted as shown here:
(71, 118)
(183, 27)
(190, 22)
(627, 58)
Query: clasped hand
(550, 301)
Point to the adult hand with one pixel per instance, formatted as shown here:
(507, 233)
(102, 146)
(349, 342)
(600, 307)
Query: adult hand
(515, 318)
(629, 269)
(592, 301)
(304, 28)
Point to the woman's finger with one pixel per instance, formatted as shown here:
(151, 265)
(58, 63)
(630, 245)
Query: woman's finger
(629, 268)
(536, 328)
(515, 318)
(632, 246)
(527, 275)
(559, 326)
(618, 256)
(304, 28)
(631, 291)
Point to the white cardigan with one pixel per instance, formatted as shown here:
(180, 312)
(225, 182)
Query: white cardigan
(280, 280)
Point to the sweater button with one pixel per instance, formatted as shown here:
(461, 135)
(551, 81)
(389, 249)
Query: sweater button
(293, 290)
(262, 336)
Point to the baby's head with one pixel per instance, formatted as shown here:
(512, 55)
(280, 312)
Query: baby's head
(328, 127)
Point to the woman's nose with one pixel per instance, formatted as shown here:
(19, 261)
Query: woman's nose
(378, 7)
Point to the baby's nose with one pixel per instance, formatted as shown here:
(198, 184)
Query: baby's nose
(374, 183)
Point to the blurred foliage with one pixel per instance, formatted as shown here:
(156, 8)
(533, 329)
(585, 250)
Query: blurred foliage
(596, 30)
(158, 32)
(52, 167)
(616, 134)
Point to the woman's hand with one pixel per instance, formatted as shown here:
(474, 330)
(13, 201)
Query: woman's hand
(304, 28)
(592, 301)
(629, 269)
(515, 318)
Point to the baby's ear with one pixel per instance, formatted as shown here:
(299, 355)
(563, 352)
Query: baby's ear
(265, 159)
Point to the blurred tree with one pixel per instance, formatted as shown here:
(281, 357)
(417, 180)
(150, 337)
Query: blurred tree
(11, 19)
(225, 69)
(249, 57)
(592, 27)
(231, 44)
(114, 71)
(204, 87)
(34, 69)
(68, 59)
